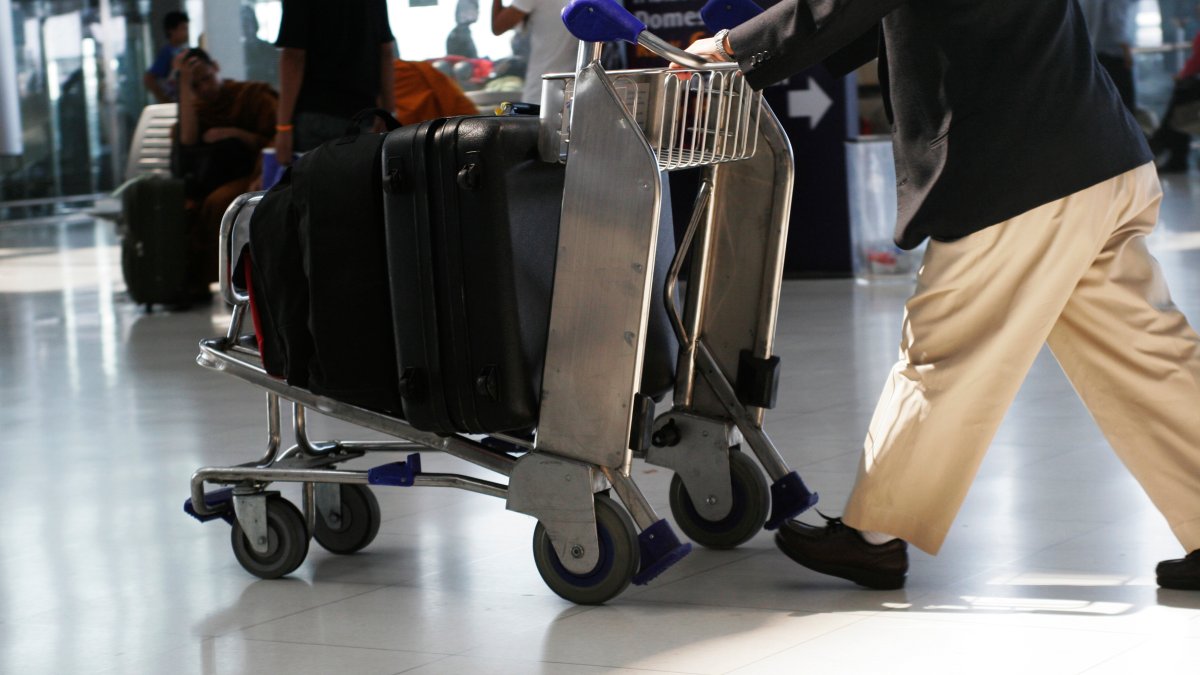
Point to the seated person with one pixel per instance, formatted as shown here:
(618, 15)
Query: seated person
(223, 126)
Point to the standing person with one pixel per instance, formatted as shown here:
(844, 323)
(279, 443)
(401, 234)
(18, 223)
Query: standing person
(158, 77)
(1167, 138)
(1112, 25)
(551, 48)
(1015, 156)
(223, 124)
(336, 60)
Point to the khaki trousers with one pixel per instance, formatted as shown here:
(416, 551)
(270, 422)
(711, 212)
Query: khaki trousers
(1075, 274)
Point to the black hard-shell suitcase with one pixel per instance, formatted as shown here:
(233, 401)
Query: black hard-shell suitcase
(154, 249)
(472, 231)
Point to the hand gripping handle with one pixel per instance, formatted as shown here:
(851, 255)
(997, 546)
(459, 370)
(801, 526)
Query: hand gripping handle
(601, 21)
(721, 14)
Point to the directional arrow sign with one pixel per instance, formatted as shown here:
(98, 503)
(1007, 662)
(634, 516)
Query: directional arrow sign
(812, 103)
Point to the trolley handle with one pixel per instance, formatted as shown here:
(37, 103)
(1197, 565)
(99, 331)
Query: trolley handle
(721, 14)
(234, 223)
(605, 20)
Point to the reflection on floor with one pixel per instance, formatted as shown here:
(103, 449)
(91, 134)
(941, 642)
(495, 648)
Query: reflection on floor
(104, 416)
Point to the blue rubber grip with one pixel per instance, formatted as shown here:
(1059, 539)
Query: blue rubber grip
(660, 548)
(789, 498)
(722, 14)
(601, 21)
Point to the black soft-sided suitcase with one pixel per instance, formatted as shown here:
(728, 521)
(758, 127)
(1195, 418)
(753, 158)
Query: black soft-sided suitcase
(320, 280)
(472, 231)
(338, 198)
(154, 250)
(278, 287)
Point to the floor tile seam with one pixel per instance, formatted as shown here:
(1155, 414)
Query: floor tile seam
(120, 664)
(954, 586)
(929, 592)
(416, 585)
(372, 589)
(687, 604)
(1032, 463)
(801, 413)
(802, 642)
(1110, 659)
(1142, 637)
(1099, 526)
(420, 512)
(1122, 478)
(739, 561)
(516, 546)
(423, 665)
(1087, 520)
(339, 646)
(595, 665)
(575, 610)
(712, 569)
(950, 586)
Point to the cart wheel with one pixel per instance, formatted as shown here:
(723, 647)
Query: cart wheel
(287, 542)
(751, 502)
(618, 562)
(359, 523)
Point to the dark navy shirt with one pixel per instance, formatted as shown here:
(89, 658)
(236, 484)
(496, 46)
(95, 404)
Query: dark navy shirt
(999, 106)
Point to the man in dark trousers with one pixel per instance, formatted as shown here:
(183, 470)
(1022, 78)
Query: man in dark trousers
(1016, 157)
(336, 60)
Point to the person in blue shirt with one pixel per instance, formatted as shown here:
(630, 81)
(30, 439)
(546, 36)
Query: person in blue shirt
(158, 78)
(1112, 26)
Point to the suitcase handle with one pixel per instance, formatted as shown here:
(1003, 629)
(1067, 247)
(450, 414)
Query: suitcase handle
(605, 21)
(722, 14)
(389, 121)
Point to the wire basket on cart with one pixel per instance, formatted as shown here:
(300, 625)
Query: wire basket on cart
(691, 118)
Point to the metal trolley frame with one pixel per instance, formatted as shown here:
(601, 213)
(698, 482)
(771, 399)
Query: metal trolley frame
(619, 133)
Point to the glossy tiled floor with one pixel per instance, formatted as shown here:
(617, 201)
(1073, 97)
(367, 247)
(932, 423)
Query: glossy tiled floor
(104, 416)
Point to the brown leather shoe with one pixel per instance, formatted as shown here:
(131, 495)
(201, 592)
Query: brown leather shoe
(1182, 574)
(839, 550)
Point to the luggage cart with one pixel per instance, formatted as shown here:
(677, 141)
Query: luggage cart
(618, 133)
(702, 115)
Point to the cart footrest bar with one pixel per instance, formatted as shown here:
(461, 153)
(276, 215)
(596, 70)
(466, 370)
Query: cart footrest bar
(401, 474)
(660, 548)
(219, 502)
(789, 498)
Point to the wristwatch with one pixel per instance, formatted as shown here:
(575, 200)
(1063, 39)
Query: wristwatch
(719, 40)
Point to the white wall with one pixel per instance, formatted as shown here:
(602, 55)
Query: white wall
(223, 36)
(10, 109)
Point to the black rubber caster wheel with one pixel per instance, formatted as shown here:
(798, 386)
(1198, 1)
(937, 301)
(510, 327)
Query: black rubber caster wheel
(748, 513)
(287, 541)
(358, 525)
(619, 558)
